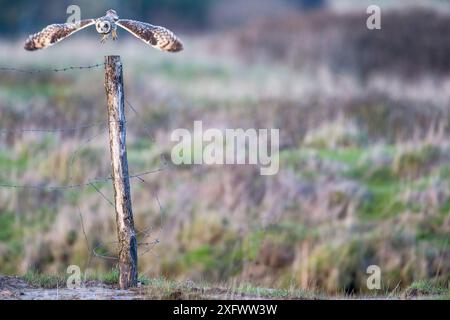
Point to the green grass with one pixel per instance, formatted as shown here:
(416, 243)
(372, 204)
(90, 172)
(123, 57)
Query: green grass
(381, 183)
(9, 162)
(50, 281)
(189, 71)
(255, 291)
(381, 203)
(429, 288)
(163, 288)
(46, 281)
(166, 289)
(6, 226)
(223, 258)
(161, 283)
(35, 89)
(112, 277)
(171, 92)
(348, 156)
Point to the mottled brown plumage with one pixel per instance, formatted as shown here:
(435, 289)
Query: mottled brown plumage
(156, 36)
(54, 33)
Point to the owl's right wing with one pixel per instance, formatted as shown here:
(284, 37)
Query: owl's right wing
(54, 33)
(156, 36)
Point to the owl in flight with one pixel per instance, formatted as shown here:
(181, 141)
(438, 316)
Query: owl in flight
(158, 37)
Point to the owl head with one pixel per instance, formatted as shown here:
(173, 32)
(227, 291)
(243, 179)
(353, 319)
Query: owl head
(103, 26)
(113, 14)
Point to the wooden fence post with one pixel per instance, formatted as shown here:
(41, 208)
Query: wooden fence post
(121, 183)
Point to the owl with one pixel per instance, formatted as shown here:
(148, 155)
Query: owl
(158, 37)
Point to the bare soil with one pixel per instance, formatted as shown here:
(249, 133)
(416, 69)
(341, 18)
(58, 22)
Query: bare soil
(15, 288)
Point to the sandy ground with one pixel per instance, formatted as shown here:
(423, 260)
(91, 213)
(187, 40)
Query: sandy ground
(14, 288)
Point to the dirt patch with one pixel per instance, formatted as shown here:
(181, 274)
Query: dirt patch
(15, 288)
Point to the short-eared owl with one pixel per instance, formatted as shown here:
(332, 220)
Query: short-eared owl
(158, 37)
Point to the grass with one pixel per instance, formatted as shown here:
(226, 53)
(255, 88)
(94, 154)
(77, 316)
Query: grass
(162, 288)
(6, 226)
(383, 202)
(51, 281)
(348, 156)
(384, 183)
(303, 203)
(46, 281)
(429, 288)
(260, 292)
(112, 278)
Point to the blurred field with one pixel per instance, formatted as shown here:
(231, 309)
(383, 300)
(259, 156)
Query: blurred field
(365, 159)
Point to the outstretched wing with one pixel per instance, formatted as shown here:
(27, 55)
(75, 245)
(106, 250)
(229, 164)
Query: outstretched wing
(55, 33)
(158, 37)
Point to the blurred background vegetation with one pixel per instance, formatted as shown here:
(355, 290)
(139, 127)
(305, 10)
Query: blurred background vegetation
(365, 160)
(21, 15)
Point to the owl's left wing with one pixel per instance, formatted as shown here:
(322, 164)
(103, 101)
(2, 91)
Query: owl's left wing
(156, 36)
(55, 33)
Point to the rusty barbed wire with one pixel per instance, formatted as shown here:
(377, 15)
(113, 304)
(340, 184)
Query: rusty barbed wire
(53, 130)
(65, 69)
(77, 151)
(103, 195)
(144, 233)
(79, 185)
(150, 245)
(100, 124)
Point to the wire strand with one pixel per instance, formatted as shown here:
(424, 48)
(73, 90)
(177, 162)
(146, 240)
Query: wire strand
(50, 130)
(12, 69)
(80, 185)
(145, 233)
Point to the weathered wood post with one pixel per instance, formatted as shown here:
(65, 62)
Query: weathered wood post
(128, 274)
